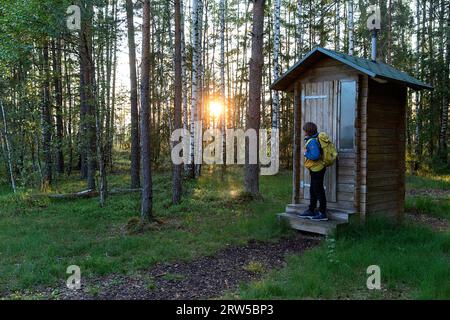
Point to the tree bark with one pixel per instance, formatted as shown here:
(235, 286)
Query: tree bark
(46, 119)
(57, 79)
(177, 169)
(443, 135)
(299, 29)
(135, 154)
(147, 192)
(254, 109)
(196, 57)
(223, 85)
(337, 40)
(389, 36)
(69, 113)
(350, 28)
(87, 68)
(418, 106)
(274, 154)
(8, 149)
(184, 75)
(101, 158)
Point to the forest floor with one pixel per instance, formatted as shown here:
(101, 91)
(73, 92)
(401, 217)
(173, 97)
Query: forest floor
(414, 257)
(202, 278)
(217, 243)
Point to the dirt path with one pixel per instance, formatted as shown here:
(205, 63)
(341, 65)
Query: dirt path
(434, 193)
(204, 278)
(435, 223)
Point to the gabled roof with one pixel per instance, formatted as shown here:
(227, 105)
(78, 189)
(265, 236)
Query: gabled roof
(376, 70)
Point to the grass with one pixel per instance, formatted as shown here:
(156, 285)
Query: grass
(414, 262)
(40, 238)
(428, 206)
(437, 205)
(254, 267)
(428, 181)
(174, 277)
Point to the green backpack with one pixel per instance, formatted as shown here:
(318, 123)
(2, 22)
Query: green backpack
(329, 152)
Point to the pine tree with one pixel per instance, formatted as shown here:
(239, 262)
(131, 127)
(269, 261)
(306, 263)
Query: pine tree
(146, 145)
(254, 108)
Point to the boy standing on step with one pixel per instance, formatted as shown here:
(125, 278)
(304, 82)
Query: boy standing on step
(317, 169)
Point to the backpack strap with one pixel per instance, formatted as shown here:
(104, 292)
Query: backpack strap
(309, 141)
(318, 142)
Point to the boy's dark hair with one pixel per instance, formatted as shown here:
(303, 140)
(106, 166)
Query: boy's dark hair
(310, 128)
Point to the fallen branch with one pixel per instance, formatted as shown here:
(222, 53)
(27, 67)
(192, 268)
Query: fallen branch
(86, 194)
(78, 195)
(124, 191)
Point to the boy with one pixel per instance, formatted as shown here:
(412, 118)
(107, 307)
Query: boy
(313, 162)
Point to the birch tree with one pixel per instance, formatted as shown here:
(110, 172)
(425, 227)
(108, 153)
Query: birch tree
(196, 56)
(222, 82)
(299, 29)
(351, 46)
(8, 149)
(337, 40)
(275, 95)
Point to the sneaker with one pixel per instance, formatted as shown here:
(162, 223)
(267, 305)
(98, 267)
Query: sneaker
(320, 217)
(308, 214)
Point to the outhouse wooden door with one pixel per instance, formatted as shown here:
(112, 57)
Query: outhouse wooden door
(320, 105)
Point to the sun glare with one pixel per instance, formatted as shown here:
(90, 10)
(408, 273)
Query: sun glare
(215, 108)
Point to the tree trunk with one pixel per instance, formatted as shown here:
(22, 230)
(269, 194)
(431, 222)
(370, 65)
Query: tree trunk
(418, 111)
(350, 28)
(147, 192)
(299, 29)
(254, 109)
(337, 40)
(46, 119)
(57, 78)
(135, 156)
(432, 105)
(443, 140)
(274, 156)
(112, 113)
(389, 36)
(177, 169)
(184, 74)
(196, 54)
(200, 85)
(87, 68)
(8, 149)
(69, 113)
(223, 85)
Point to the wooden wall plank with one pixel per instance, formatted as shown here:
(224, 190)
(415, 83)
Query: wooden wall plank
(385, 148)
(297, 145)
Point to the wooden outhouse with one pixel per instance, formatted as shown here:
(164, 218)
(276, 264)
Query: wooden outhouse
(361, 104)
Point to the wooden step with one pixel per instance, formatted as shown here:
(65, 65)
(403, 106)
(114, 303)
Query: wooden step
(318, 227)
(333, 214)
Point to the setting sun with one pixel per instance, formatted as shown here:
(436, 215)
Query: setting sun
(215, 108)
